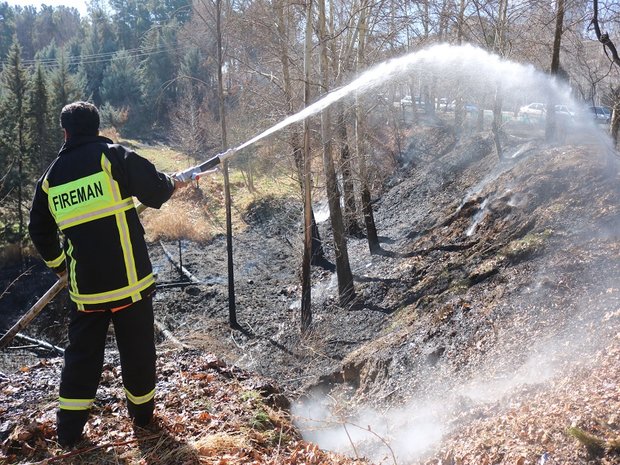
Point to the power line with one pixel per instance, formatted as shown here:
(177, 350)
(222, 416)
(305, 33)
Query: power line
(103, 57)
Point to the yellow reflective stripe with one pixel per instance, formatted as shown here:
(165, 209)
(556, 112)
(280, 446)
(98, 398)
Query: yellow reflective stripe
(72, 263)
(139, 400)
(123, 229)
(130, 263)
(107, 167)
(96, 214)
(75, 404)
(110, 296)
(57, 261)
(45, 185)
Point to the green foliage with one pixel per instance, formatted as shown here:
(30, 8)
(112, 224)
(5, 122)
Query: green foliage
(159, 72)
(527, 246)
(44, 135)
(121, 85)
(99, 45)
(7, 28)
(261, 421)
(13, 152)
(65, 87)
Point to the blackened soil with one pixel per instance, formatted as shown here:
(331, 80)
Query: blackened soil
(484, 263)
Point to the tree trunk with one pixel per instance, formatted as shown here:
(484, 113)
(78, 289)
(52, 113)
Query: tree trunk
(498, 100)
(360, 117)
(608, 45)
(352, 226)
(318, 254)
(232, 308)
(306, 296)
(346, 289)
(614, 126)
(497, 121)
(550, 128)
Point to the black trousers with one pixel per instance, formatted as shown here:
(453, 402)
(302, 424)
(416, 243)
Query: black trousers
(133, 327)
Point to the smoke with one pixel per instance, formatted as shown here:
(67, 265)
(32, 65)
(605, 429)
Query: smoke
(404, 434)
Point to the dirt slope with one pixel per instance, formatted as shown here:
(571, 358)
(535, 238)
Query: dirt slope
(486, 329)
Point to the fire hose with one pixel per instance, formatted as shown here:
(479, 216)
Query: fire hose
(192, 173)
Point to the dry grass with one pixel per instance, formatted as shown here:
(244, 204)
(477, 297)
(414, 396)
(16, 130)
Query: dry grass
(220, 443)
(197, 212)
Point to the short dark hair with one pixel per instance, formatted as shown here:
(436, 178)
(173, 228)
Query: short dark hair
(80, 119)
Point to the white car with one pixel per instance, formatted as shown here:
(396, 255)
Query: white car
(406, 101)
(536, 110)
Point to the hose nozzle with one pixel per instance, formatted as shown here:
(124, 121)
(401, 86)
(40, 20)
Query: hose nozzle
(195, 171)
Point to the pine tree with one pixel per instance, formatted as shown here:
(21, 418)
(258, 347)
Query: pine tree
(158, 72)
(99, 43)
(14, 84)
(121, 84)
(40, 127)
(64, 86)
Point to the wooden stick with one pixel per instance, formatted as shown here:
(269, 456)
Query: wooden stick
(34, 311)
(183, 270)
(39, 343)
(170, 336)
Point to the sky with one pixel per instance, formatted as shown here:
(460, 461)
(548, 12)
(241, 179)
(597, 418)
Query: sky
(80, 5)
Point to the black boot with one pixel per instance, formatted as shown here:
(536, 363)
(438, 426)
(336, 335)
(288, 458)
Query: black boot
(69, 426)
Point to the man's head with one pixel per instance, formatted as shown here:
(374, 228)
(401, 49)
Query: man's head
(80, 119)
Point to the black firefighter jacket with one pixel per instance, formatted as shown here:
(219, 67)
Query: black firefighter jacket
(86, 193)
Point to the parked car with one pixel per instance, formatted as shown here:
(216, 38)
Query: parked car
(563, 110)
(601, 115)
(468, 107)
(408, 101)
(535, 110)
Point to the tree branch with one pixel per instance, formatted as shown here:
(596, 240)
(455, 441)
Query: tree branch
(603, 37)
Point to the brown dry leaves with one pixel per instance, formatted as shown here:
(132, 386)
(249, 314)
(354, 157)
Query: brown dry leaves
(207, 413)
(534, 427)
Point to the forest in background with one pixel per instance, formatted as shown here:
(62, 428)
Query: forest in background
(152, 67)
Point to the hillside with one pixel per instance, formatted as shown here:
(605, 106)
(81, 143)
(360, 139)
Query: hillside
(486, 331)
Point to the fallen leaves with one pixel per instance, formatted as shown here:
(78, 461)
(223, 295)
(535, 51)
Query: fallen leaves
(206, 414)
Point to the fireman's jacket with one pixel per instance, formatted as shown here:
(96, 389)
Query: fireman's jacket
(87, 193)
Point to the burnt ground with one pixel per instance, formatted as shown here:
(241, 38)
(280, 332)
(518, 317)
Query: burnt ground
(497, 278)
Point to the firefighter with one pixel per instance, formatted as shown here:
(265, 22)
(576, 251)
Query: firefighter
(86, 193)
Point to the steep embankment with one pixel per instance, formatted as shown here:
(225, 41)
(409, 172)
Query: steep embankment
(507, 278)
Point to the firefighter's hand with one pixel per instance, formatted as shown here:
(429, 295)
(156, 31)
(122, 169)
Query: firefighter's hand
(179, 184)
(62, 274)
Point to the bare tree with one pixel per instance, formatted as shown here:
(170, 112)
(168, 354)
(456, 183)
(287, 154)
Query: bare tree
(551, 119)
(360, 136)
(346, 290)
(306, 290)
(609, 49)
(318, 255)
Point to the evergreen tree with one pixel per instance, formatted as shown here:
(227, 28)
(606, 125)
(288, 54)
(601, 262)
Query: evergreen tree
(121, 88)
(49, 53)
(43, 134)
(14, 85)
(121, 83)
(131, 20)
(159, 72)
(7, 28)
(64, 86)
(25, 24)
(99, 45)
